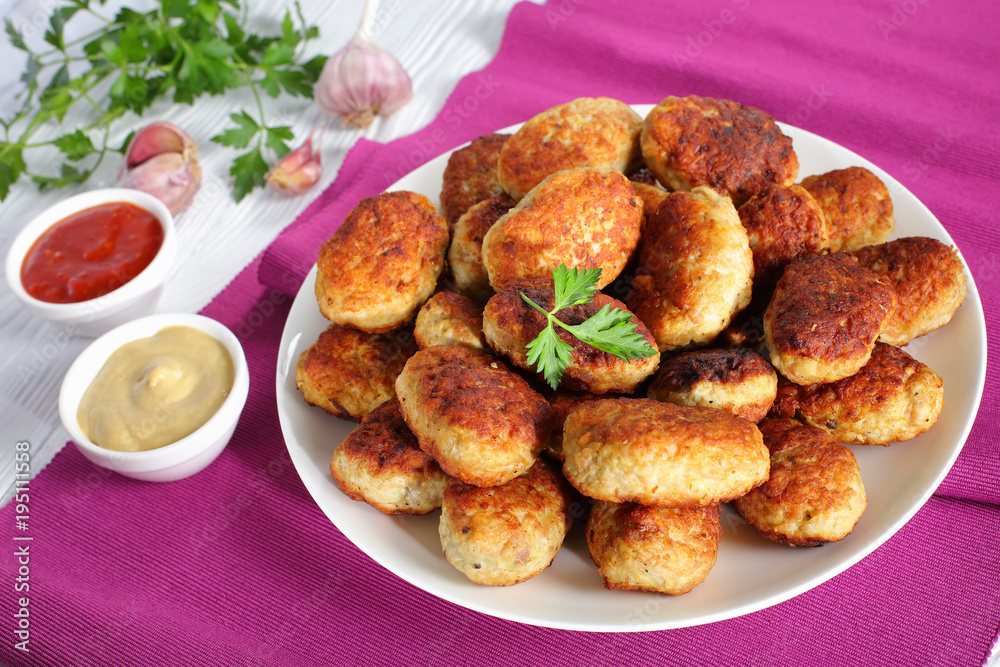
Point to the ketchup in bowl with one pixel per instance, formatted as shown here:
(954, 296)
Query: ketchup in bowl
(91, 253)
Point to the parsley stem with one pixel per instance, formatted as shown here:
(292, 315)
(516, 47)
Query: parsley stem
(106, 20)
(86, 38)
(256, 95)
(535, 306)
(179, 48)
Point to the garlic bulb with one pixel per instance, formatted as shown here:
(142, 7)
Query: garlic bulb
(362, 80)
(162, 160)
(298, 171)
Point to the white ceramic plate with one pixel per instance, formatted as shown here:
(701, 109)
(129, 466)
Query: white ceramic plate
(751, 573)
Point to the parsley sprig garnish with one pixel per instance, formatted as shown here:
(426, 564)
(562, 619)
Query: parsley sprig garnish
(181, 50)
(610, 329)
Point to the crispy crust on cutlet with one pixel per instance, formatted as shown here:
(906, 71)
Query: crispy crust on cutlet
(382, 263)
(662, 549)
(695, 269)
(641, 450)
(465, 255)
(506, 534)
(929, 280)
(510, 324)
(450, 319)
(380, 463)
(814, 493)
(825, 316)
(587, 132)
(893, 398)
(563, 401)
(585, 218)
(734, 149)
(349, 373)
(471, 176)
(481, 421)
(856, 205)
(735, 379)
(782, 222)
(652, 196)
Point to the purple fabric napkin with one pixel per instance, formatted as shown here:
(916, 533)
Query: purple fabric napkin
(238, 566)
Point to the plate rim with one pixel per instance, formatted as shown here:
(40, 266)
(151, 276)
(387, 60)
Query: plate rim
(289, 341)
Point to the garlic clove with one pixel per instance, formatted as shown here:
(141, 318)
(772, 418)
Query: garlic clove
(156, 138)
(162, 160)
(169, 177)
(362, 80)
(298, 171)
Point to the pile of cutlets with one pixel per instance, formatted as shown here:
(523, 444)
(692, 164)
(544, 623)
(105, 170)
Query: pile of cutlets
(778, 310)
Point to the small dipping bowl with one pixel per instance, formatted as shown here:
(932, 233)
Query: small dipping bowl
(179, 459)
(135, 298)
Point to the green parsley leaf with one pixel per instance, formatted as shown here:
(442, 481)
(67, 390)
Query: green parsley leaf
(75, 146)
(277, 54)
(16, 39)
(66, 13)
(175, 8)
(56, 98)
(314, 67)
(550, 355)
(209, 11)
(180, 49)
(573, 286)
(242, 136)
(293, 81)
(277, 139)
(30, 76)
(11, 167)
(124, 147)
(249, 171)
(289, 35)
(54, 35)
(609, 330)
(67, 174)
(234, 33)
(132, 92)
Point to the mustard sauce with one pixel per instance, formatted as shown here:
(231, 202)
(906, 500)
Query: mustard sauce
(154, 391)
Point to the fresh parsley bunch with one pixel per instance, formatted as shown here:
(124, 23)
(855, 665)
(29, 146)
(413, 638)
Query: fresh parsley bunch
(183, 49)
(610, 329)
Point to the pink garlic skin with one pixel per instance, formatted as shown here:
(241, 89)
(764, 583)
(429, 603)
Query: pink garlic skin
(298, 171)
(162, 160)
(360, 82)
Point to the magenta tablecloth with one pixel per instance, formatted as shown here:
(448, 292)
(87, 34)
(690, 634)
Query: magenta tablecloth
(238, 566)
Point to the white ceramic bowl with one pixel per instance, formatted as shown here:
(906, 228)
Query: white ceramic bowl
(179, 459)
(134, 299)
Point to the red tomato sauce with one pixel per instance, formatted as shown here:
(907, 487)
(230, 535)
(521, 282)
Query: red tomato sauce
(91, 253)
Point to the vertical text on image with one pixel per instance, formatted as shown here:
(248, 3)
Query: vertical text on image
(22, 546)
(714, 27)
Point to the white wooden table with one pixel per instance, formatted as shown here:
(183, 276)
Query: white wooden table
(437, 42)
